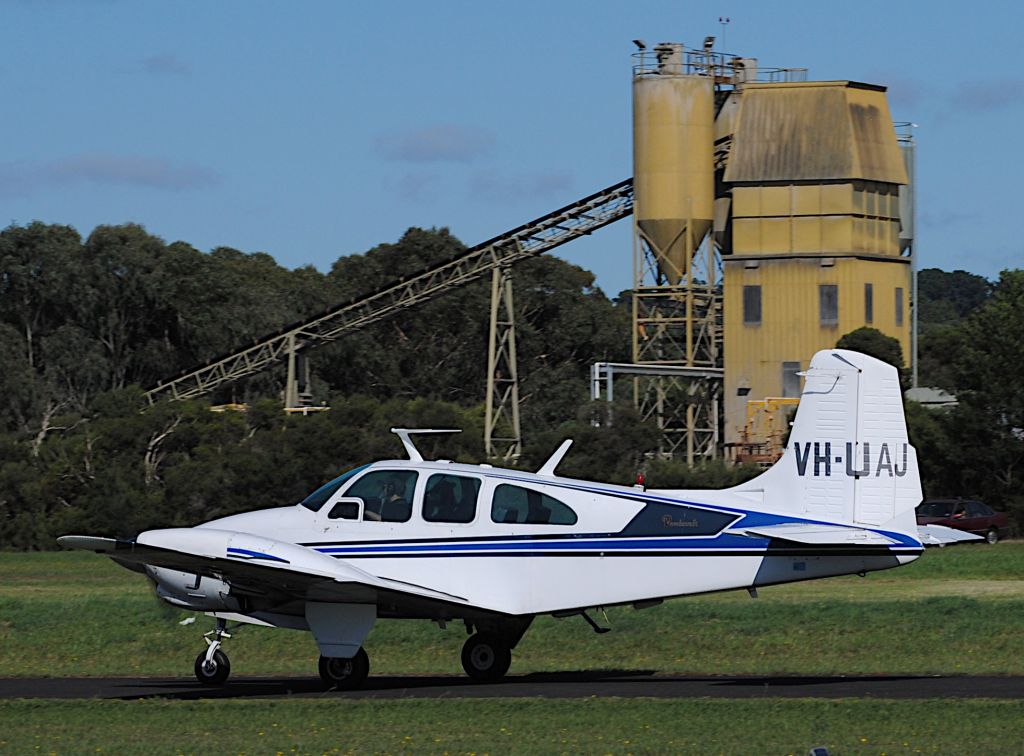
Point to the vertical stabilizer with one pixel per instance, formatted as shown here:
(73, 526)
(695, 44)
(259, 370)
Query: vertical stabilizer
(848, 458)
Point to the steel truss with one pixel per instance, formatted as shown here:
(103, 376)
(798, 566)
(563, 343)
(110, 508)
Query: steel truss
(529, 240)
(503, 437)
(679, 325)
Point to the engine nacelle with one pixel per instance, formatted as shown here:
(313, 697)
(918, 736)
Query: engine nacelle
(187, 590)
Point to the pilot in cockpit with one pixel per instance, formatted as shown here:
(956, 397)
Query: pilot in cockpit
(390, 505)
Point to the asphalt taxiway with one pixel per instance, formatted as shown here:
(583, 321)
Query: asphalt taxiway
(601, 684)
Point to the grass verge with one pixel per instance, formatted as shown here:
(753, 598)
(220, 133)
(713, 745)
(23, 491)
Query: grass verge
(511, 726)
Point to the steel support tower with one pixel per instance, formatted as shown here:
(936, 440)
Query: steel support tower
(679, 326)
(503, 438)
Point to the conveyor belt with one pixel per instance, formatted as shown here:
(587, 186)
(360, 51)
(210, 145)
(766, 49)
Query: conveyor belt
(529, 240)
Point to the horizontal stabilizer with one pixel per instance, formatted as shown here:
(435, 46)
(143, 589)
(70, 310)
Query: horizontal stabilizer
(940, 535)
(819, 535)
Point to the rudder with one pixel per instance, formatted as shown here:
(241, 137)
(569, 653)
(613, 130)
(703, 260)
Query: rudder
(849, 458)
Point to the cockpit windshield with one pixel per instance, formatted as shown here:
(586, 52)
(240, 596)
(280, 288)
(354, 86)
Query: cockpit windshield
(320, 496)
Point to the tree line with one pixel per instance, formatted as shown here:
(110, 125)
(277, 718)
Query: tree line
(87, 324)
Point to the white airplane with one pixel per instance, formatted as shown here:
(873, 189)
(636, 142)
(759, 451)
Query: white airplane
(496, 547)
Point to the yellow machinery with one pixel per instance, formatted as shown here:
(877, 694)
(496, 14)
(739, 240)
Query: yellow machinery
(764, 433)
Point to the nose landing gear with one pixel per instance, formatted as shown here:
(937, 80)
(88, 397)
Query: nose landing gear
(212, 665)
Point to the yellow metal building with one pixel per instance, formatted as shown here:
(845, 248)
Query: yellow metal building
(811, 240)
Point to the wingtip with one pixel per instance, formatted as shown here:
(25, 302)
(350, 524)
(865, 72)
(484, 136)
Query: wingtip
(89, 543)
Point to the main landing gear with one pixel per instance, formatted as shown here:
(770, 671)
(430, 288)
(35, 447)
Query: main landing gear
(486, 657)
(345, 674)
(487, 653)
(212, 665)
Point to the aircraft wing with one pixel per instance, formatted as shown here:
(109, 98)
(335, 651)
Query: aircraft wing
(819, 535)
(940, 535)
(259, 566)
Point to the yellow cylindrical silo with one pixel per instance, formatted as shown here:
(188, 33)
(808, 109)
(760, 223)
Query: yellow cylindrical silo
(673, 168)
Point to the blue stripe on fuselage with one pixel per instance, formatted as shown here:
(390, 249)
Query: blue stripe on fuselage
(750, 519)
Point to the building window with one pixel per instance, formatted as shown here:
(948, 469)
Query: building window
(869, 303)
(791, 379)
(828, 304)
(751, 305)
(899, 306)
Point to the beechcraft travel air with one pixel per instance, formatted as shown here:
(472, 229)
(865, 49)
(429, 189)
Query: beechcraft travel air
(495, 548)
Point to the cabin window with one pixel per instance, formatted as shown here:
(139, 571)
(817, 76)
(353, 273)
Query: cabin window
(515, 504)
(344, 510)
(320, 496)
(386, 495)
(450, 498)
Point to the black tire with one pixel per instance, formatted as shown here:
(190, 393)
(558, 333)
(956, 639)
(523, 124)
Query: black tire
(486, 657)
(992, 536)
(216, 673)
(345, 674)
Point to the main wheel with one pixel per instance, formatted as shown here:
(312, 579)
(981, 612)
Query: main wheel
(992, 536)
(215, 671)
(486, 657)
(345, 674)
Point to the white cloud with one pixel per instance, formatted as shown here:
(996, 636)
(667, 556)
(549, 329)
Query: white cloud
(24, 177)
(165, 64)
(495, 187)
(446, 143)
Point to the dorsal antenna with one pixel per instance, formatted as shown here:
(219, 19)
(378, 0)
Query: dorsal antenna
(405, 434)
(548, 468)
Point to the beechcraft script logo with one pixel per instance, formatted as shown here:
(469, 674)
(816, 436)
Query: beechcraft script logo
(887, 459)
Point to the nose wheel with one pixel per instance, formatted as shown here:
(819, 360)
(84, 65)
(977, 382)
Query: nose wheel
(212, 671)
(212, 666)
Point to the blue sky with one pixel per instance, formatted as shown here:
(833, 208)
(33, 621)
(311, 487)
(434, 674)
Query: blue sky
(311, 130)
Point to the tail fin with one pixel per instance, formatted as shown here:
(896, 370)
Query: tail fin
(849, 458)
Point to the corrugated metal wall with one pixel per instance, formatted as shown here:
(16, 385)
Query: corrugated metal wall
(790, 328)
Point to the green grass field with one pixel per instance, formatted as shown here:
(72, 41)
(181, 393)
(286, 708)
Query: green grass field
(955, 611)
(512, 726)
(958, 610)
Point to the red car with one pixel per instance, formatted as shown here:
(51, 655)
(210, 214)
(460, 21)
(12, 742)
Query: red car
(964, 514)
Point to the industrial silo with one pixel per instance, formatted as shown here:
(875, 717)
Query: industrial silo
(673, 150)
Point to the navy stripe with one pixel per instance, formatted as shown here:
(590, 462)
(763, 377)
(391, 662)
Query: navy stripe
(248, 554)
(840, 551)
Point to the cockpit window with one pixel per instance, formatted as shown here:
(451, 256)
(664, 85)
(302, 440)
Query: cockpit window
(386, 494)
(320, 496)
